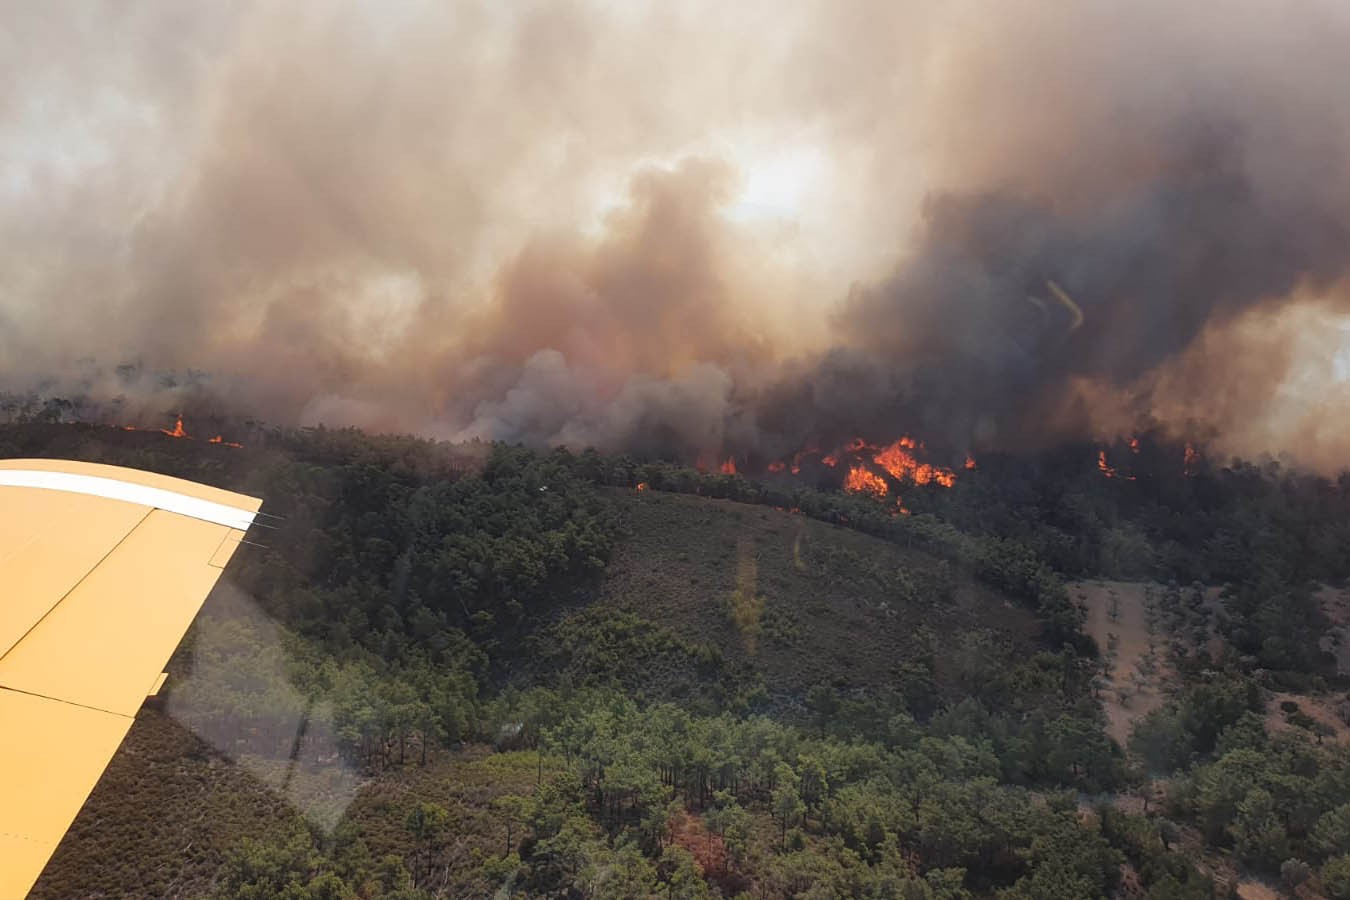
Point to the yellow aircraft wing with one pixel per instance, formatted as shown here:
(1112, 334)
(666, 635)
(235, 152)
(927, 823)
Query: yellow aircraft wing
(102, 570)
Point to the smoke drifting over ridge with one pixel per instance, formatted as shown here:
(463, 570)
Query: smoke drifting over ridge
(689, 230)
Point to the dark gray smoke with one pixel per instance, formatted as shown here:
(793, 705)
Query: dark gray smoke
(1008, 299)
(683, 230)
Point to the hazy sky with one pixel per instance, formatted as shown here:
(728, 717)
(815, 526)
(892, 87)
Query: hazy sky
(638, 224)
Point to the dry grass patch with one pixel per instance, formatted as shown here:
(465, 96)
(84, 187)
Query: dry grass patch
(799, 601)
(162, 819)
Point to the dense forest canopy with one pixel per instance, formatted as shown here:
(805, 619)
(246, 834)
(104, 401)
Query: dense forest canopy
(433, 598)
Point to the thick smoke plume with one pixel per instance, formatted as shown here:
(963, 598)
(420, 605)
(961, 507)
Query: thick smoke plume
(683, 229)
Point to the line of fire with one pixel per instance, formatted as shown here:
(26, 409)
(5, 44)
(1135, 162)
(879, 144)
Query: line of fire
(856, 466)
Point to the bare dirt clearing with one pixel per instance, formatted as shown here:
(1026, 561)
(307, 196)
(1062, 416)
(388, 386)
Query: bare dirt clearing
(1118, 619)
(1319, 709)
(1255, 890)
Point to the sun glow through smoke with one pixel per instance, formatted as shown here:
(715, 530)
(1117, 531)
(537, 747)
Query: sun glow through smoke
(780, 185)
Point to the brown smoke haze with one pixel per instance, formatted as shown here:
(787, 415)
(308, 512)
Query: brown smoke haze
(688, 228)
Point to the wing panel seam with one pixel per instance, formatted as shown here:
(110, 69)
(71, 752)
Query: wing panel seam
(101, 560)
(111, 712)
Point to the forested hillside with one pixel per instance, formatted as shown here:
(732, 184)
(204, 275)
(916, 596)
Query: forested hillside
(474, 670)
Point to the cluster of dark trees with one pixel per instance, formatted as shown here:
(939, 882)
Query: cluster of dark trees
(393, 557)
(412, 583)
(1280, 802)
(917, 815)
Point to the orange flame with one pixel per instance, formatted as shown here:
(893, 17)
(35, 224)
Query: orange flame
(1106, 470)
(860, 480)
(1134, 445)
(901, 465)
(641, 486)
(896, 459)
(970, 462)
(729, 466)
(178, 431)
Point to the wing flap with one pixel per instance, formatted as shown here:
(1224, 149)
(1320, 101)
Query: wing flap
(109, 638)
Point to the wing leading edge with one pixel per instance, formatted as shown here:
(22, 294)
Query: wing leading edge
(102, 570)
